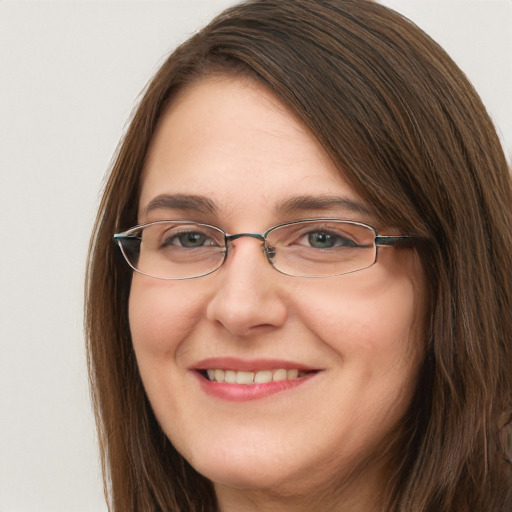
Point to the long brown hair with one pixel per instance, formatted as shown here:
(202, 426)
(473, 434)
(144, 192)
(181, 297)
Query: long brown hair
(412, 137)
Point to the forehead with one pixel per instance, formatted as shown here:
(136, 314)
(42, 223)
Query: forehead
(234, 143)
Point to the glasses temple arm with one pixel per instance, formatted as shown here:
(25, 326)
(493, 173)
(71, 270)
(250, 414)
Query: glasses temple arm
(394, 241)
(123, 237)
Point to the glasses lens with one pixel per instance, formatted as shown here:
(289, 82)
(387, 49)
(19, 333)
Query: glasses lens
(174, 249)
(322, 248)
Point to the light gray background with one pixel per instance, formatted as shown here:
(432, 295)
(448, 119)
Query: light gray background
(70, 72)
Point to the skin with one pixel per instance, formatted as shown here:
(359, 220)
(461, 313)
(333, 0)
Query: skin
(320, 444)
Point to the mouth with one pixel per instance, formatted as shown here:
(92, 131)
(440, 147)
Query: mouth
(248, 378)
(239, 380)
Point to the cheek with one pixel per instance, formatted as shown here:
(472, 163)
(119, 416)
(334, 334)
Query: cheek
(372, 319)
(161, 314)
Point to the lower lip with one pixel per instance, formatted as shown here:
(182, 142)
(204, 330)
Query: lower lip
(241, 393)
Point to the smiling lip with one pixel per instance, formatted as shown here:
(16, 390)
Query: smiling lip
(239, 380)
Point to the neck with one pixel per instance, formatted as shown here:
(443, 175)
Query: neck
(361, 494)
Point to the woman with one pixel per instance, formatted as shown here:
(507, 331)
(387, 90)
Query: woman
(365, 365)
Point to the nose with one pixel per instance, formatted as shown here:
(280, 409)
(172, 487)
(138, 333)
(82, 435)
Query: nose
(248, 298)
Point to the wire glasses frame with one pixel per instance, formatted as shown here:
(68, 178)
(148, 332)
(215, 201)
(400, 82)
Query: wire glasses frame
(324, 247)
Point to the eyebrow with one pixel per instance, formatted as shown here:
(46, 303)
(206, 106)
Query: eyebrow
(289, 206)
(303, 203)
(181, 202)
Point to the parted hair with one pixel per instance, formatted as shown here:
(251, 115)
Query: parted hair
(412, 137)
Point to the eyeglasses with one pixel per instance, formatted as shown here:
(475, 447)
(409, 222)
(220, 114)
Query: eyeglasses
(181, 249)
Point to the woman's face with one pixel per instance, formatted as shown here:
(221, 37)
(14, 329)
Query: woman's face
(245, 164)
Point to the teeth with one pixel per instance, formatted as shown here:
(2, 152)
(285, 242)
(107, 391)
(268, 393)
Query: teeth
(279, 375)
(263, 377)
(292, 374)
(246, 378)
(230, 376)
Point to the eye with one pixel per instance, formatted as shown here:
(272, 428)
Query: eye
(328, 240)
(188, 239)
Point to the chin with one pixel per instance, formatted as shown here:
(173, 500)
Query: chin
(252, 467)
(238, 469)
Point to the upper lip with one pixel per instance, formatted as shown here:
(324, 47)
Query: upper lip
(233, 363)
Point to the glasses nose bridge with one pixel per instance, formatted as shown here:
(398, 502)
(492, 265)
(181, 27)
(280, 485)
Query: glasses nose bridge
(259, 236)
(269, 252)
